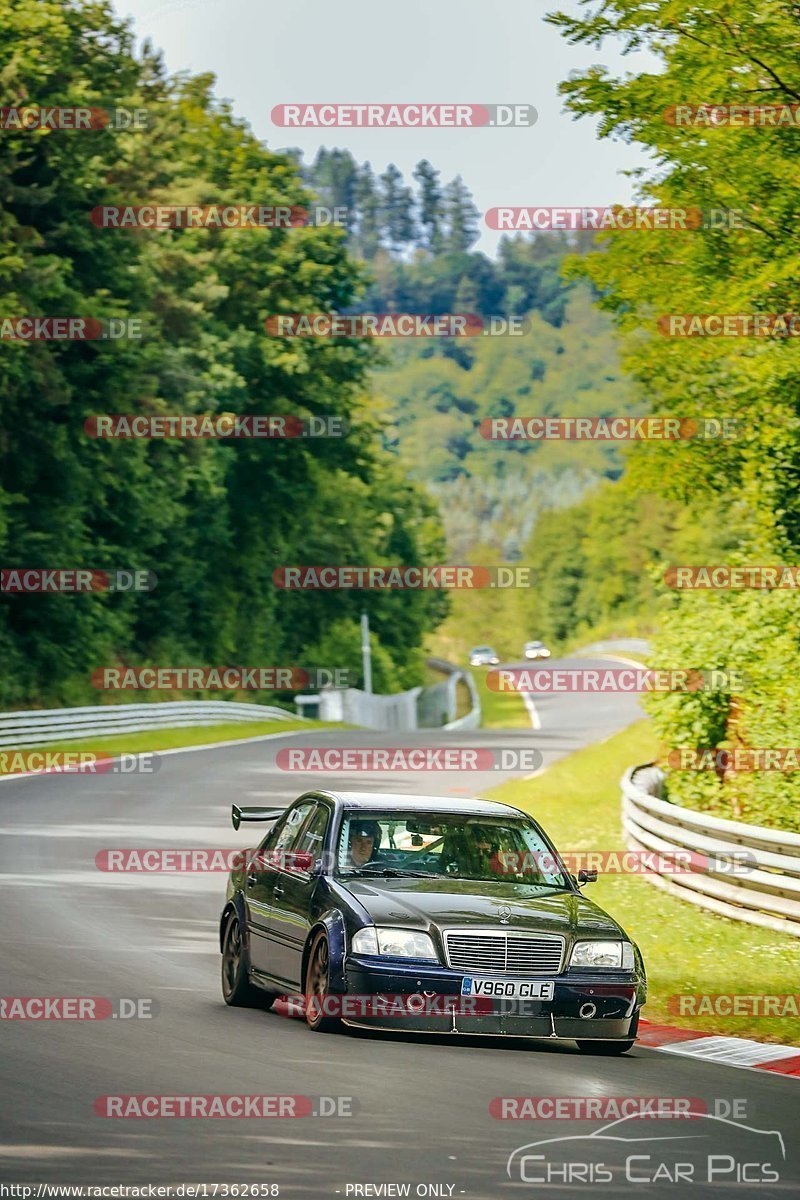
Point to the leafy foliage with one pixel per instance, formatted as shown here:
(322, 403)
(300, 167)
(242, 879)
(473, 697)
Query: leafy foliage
(212, 519)
(718, 51)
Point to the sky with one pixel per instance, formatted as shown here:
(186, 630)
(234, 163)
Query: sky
(264, 53)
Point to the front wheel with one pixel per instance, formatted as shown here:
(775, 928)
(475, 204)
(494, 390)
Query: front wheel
(317, 985)
(237, 990)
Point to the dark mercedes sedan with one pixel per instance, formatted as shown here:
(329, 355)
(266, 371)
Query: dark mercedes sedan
(425, 914)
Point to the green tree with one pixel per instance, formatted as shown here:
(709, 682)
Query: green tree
(461, 216)
(718, 52)
(431, 211)
(212, 519)
(397, 209)
(367, 201)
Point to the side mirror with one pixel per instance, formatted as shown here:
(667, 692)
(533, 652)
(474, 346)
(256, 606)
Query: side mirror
(301, 860)
(587, 877)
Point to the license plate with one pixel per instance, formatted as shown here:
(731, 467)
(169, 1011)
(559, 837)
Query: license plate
(528, 989)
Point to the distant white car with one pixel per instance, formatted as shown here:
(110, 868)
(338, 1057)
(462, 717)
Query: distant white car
(483, 656)
(535, 650)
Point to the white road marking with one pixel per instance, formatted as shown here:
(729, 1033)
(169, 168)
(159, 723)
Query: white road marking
(533, 712)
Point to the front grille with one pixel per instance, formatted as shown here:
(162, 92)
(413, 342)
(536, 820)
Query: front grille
(493, 951)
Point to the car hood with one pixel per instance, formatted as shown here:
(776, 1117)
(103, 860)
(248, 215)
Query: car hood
(423, 903)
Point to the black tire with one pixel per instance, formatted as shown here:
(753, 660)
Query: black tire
(612, 1048)
(317, 987)
(237, 990)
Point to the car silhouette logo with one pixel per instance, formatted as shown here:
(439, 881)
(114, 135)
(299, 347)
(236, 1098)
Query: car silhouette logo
(615, 1132)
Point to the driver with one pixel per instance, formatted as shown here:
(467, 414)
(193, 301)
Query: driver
(364, 839)
(485, 847)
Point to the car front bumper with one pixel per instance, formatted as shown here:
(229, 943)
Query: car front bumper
(427, 999)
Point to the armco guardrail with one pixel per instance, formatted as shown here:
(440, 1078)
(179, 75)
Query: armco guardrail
(764, 889)
(443, 698)
(37, 727)
(617, 646)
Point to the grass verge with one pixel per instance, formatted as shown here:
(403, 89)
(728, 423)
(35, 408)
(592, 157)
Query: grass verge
(171, 738)
(686, 949)
(500, 710)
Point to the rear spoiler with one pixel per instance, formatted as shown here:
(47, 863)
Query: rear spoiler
(240, 813)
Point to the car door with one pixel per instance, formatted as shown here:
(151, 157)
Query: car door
(290, 911)
(261, 879)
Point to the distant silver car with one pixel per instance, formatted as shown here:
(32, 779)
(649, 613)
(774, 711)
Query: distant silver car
(535, 650)
(483, 656)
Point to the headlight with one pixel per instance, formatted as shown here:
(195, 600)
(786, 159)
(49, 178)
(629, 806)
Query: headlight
(395, 943)
(602, 954)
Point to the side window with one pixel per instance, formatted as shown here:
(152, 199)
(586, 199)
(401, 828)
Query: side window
(290, 830)
(313, 836)
(269, 841)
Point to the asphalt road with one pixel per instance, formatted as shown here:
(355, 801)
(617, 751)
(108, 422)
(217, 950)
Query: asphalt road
(420, 1106)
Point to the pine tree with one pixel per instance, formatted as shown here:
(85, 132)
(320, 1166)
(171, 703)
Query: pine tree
(397, 209)
(430, 206)
(461, 216)
(367, 203)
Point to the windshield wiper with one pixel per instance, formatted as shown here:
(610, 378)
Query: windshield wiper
(391, 872)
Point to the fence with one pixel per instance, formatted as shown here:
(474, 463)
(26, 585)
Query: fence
(433, 707)
(394, 712)
(37, 727)
(763, 890)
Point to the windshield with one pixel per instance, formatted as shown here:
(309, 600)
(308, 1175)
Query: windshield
(451, 846)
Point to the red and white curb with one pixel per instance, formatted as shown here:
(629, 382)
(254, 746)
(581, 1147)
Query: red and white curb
(729, 1051)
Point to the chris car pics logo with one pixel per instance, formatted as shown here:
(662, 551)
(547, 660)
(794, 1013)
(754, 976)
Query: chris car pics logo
(712, 1150)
